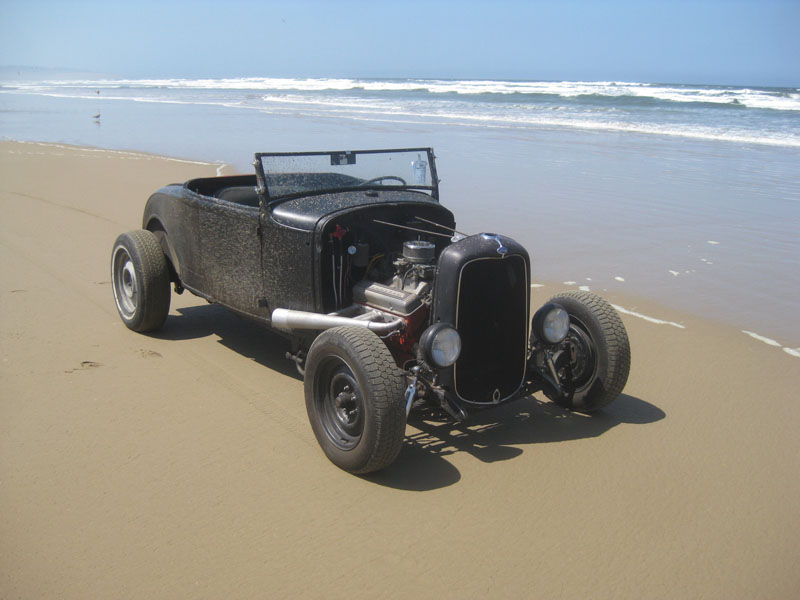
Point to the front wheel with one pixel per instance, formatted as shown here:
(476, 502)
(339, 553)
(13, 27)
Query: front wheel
(354, 399)
(596, 356)
(140, 280)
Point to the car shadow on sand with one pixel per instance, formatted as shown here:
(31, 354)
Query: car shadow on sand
(499, 434)
(489, 436)
(243, 336)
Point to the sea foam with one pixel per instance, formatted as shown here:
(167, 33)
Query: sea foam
(744, 115)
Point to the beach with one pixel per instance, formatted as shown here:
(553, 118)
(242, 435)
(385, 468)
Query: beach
(684, 195)
(182, 464)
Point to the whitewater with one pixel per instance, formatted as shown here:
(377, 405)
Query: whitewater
(749, 115)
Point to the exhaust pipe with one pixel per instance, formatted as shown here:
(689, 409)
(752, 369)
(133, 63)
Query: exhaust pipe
(286, 319)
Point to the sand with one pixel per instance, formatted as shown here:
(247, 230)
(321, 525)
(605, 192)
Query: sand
(182, 465)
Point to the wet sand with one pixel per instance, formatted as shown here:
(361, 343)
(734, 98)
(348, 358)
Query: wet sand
(181, 465)
(706, 227)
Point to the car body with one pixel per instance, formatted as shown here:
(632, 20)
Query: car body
(388, 307)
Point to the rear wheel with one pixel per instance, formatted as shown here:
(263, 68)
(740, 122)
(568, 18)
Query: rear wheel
(354, 399)
(140, 280)
(596, 356)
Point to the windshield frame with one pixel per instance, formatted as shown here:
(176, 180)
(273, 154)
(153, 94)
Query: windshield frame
(263, 189)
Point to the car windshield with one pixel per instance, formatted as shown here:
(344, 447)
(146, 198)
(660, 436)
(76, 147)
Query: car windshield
(291, 174)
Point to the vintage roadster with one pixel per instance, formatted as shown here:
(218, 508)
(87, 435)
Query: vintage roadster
(388, 307)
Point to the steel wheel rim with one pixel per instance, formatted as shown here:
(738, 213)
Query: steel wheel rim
(125, 284)
(584, 367)
(339, 403)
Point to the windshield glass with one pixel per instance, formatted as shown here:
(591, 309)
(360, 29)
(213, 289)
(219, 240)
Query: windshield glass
(292, 174)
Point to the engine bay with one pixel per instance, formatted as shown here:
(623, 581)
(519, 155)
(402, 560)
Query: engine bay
(384, 260)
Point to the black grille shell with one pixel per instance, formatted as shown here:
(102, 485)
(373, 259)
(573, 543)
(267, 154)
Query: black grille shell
(486, 296)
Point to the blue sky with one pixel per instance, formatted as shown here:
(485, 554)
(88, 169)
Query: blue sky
(752, 42)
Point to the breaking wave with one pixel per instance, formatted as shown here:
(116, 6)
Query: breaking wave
(763, 98)
(727, 113)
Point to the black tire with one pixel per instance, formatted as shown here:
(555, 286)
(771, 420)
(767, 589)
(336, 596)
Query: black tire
(602, 353)
(354, 399)
(140, 280)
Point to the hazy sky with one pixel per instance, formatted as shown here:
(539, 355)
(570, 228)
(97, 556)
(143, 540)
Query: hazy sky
(753, 42)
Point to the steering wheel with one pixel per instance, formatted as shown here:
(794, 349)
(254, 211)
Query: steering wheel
(384, 178)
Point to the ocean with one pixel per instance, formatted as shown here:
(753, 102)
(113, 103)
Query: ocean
(688, 195)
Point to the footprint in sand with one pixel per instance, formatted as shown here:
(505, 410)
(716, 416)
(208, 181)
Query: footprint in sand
(85, 364)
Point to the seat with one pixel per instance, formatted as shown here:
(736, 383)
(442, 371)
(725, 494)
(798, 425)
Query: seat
(240, 194)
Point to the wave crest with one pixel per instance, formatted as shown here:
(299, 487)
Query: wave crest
(725, 113)
(763, 98)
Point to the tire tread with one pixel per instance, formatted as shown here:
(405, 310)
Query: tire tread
(616, 342)
(385, 386)
(146, 253)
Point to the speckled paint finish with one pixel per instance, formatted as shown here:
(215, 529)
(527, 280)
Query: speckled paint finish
(254, 259)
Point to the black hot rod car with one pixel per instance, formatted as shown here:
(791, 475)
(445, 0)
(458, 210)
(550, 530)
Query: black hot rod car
(388, 307)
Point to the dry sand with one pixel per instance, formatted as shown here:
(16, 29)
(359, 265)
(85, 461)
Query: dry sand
(181, 465)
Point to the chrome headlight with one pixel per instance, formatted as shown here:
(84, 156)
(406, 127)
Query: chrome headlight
(441, 345)
(550, 323)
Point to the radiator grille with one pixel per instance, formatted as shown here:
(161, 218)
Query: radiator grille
(492, 319)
